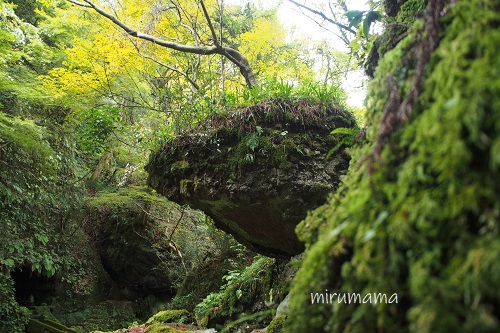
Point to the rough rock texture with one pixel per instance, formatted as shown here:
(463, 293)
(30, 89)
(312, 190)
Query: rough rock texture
(256, 171)
(128, 241)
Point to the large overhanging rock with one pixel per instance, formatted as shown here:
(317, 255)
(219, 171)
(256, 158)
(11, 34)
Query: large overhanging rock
(256, 171)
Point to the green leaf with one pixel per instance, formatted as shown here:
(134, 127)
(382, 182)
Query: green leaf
(253, 141)
(355, 45)
(366, 28)
(9, 262)
(354, 13)
(356, 20)
(345, 130)
(371, 17)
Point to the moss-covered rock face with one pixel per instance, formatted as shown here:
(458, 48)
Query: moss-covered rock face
(420, 216)
(128, 240)
(256, 171)
(107, 315)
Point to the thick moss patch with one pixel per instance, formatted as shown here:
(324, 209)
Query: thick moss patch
(161, 328)
(421, 219)
(276, 325)
(171, 316)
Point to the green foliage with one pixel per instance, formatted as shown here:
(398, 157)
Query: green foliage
(348, 136)
(108, 315)
(12, 317)
(23, 56)
(38, 170)
(28, 167)
(314, 92)
(366, 18)
(245, 318)
(34, 208)
(422, 220)
(94, 128)
(242, 289)
(362, 20)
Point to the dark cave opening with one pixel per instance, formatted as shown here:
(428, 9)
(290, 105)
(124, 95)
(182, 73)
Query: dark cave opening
(33, 288)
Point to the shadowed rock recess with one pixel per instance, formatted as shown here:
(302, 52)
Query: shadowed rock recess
(257, 170)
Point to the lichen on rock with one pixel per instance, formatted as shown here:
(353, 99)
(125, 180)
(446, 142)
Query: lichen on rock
(257, 170)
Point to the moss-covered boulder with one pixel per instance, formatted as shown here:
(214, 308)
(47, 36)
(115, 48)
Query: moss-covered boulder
(148, 245)
(256, 171)
(131, 244)
(171, 316)
(418, 213)
(161, 328)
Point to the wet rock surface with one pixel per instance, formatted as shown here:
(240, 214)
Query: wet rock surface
(256, 171)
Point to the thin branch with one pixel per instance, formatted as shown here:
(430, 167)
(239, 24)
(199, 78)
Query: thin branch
(82, 4)
(340, 36)
(210, 25)
(151, 215)
(171, 243)
(6, 143)
(334, 15)
(323, 16)
(233, 55)
(177, 224)
(184, 74)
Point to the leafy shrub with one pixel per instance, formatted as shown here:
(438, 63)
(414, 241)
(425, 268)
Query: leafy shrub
(242, 290)
(36, 208)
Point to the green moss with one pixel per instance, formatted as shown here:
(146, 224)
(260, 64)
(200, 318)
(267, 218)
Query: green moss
(410, 10)
(243, 290)
(47, 326)
(125, 198)
(276, 325)
(161, 328)
(263, 133)
(188, 186)
(170, 316)
(107, 315)
(424, 223)
(29, 140)
(398, 28)
(179, 166)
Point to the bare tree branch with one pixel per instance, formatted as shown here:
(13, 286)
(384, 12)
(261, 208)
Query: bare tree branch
(233, 55)
(184, 74)
(323, 16)
(210, 25)
(83, 4)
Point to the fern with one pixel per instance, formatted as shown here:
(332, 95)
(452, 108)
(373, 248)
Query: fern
(347, 138)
